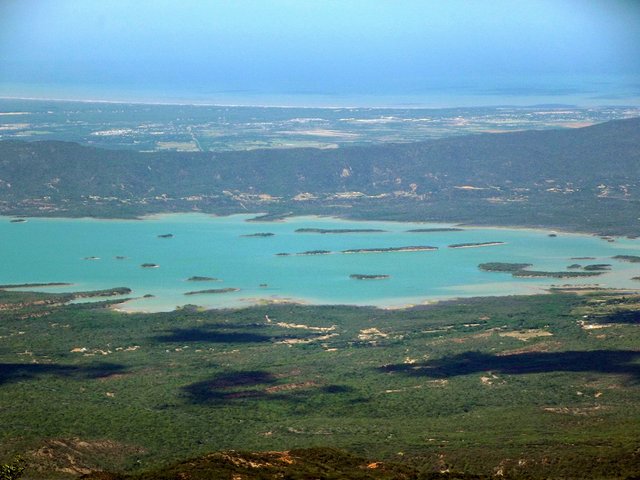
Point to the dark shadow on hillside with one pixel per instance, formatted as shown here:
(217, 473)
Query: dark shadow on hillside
(181, 335)
(255, 384)
(597, 361)
(230, 386)
(16, 372)
(219, 334)
(632, 318)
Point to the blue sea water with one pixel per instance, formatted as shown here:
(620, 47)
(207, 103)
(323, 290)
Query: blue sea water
(463, 91)
(57, 250)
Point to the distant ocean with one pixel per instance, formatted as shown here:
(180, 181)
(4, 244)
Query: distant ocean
(591, 91)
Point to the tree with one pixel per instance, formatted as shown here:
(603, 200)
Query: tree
(12, 471)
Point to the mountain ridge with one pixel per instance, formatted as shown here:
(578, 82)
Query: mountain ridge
(590, 169)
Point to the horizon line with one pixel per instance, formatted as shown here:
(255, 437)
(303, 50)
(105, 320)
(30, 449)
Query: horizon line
(311, 107)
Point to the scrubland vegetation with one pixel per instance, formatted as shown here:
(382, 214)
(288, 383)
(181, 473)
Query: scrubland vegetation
(531, 387)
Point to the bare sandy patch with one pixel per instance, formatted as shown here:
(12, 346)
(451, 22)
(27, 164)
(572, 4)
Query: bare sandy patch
(76, 456)
(305, 327)
(178, 146)
(371, 334)
(296, 341)
(526, 335)
(321, 132)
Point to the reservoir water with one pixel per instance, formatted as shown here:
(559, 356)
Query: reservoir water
(95, 254)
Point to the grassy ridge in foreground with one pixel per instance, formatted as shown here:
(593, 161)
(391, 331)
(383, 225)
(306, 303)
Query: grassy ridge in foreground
(544, 386)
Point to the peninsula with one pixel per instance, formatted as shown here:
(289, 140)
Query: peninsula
(475, 245)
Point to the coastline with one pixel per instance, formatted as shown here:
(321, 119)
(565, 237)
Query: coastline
(590, 94)
(381, 299)
(339, 218)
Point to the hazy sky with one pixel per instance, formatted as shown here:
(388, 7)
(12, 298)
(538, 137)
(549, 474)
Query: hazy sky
(322, 46)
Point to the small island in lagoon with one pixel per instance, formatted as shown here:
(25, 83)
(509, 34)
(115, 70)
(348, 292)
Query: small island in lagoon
(198, 278)
(213, 291)
(520, 270)
(339, 230)
(107, 292)
(258, 235)
(475, 245)
(412, 248)
(504, 266)
(18, 220)
(149, 265)
(306, 253)
(361, 276)
(166, 235)
(435, 230)
(34, 285)
(627, 258)
(598, 267)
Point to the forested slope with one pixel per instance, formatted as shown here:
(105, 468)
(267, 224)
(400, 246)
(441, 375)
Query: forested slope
(588, 178)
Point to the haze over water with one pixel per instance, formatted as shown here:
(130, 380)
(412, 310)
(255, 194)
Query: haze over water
(385, 53)
(59, 250)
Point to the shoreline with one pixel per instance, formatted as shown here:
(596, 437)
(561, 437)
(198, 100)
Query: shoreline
(427, 101)
(392, 304)
(287, 219)
(401, 106)
(398, 227)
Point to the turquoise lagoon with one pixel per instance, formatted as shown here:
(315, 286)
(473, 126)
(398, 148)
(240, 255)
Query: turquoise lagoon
(45, 250)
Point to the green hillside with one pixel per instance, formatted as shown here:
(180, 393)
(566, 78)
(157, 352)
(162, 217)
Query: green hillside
(539, 386)
(582, 179)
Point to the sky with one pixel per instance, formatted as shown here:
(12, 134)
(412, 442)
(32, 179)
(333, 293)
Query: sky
(192, 48)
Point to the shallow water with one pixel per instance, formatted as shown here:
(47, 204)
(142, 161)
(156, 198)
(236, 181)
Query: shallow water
(54, 250)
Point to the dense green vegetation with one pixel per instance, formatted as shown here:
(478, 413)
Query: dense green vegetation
(520, 270)
(260, 234)
(516, 387)
(34, 285)
(146, 127)
(541, 386)
(213, 291)
(627, 258)
(13, 470)
(503, 266)
(580, 179)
